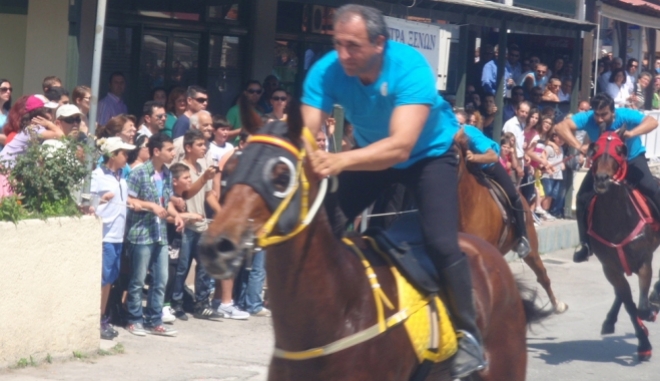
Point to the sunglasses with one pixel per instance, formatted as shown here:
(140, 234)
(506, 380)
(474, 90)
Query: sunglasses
(202, 100)
(5, 89)
(163, 116)
(72, 120)
(253, 91)
(282, 99)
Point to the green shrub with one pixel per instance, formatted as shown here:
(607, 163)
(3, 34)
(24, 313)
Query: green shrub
(46, 179)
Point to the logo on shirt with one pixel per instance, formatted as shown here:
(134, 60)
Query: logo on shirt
(383, 89)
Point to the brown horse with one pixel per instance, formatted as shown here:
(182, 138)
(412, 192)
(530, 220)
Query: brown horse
(480, 215)
(319, 292)
(621, 237)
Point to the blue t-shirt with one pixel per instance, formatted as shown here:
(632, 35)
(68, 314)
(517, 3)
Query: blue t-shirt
(405, 79)
(631, 118)
(480, 143)
(181, 126)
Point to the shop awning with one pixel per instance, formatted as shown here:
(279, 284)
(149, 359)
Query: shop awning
(476, 12)
(635, 12)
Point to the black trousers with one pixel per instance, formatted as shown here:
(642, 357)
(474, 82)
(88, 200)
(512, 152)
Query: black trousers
(639, 176)
(434, 185)
(499, 174)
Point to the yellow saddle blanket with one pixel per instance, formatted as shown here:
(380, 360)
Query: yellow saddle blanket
(429, 328)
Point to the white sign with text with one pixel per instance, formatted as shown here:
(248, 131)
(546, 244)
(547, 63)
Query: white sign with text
(423, 37)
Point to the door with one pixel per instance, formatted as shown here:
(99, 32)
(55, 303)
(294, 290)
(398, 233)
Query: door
(168, 59)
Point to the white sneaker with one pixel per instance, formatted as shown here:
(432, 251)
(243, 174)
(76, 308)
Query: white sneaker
(549, 217)
(167, 316)
(263, 312)
(540, 211)
(232, 312)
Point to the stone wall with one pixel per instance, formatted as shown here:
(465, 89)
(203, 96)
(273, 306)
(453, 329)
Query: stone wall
(51, 286)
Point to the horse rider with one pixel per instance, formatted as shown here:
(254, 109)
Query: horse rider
(486, 153)
(404, 131)
(604, 117)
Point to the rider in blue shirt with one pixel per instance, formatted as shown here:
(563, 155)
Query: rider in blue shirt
(404, 131)
(485, 152)
(605, 118)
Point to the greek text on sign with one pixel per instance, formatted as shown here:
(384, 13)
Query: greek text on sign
(423, 37)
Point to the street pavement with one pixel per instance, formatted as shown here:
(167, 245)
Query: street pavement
(565, 347)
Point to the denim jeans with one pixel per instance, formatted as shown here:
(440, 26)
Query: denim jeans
(249, 284)
(204, 283)
(557, 208)
(143, 257)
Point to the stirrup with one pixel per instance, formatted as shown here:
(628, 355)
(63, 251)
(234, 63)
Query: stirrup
(523, 248)
(470, 357)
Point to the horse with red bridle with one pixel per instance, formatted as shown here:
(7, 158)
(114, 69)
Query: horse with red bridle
(326, 309)
(622, 234)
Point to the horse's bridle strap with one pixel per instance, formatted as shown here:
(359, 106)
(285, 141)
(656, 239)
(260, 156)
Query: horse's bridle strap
(383, 324)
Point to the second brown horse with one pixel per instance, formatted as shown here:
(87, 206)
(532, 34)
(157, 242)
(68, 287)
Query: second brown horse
(480, 215)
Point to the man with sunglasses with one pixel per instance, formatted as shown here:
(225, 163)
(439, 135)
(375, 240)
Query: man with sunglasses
(153, 114)
(512, 70)
(253, 93)
(196, 101)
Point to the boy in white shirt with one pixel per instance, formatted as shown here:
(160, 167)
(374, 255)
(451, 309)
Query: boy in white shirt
(112, 192)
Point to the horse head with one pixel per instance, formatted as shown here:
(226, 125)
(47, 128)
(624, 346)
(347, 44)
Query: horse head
(266, 195)
(609, 158)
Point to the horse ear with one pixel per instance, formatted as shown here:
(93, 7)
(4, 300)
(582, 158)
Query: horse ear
(294, 120)
(622, 150)
(621, 131)
(249, 117)
(592, 149)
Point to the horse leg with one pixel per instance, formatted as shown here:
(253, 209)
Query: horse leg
(654, 299)
(644, 310)
(535, 263)
(622, 289)
(612, 315)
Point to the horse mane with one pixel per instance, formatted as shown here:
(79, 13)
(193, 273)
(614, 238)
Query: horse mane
(462, 146)
(250, 119)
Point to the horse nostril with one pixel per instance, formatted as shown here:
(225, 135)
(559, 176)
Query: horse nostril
(225, 245)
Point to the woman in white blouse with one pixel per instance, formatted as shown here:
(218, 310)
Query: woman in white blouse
(616, 88)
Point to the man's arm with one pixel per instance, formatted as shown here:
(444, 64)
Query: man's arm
(212, 200)
(314, 118)
(197, 186)
(482, 158)
(566, 129)
(648, 124)
(406, 125)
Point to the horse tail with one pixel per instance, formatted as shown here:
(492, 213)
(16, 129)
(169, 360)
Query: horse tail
(534, 314)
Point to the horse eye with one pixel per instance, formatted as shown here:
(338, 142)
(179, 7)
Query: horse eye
(280, 177)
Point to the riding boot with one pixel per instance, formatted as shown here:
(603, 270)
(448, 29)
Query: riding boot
(583, 251)
(522, 247)
(457, 282)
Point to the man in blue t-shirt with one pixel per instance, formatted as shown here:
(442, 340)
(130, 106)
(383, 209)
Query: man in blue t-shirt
(604, 117)
(405, 132)
(484, 152)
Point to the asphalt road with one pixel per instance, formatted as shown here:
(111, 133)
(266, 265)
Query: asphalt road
(565, 347)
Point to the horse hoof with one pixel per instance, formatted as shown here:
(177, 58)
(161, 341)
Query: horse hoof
(647, 315)
(561, 307)
(644, 356)
(607, 329)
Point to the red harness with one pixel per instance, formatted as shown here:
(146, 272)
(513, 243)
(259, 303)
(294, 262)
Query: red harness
(607, 144)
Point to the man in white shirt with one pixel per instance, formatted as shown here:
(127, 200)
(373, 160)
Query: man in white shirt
(219, 146)
(516, 125)
(565, 90)
(153, 114)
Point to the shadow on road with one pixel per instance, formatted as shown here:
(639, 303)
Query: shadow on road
(608, 349)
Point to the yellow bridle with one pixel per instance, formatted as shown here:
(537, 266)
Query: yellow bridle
(264, 237)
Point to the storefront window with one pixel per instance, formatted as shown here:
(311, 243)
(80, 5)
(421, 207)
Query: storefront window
(168, 60)
(116, 56)
(224, 72)
(227, 12)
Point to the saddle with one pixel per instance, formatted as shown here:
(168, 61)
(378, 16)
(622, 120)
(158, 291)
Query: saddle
(403, 244)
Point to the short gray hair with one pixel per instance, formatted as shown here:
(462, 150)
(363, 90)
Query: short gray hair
(194, 118)
(373, 19)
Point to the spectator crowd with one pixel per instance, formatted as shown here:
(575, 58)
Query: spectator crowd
(157, 182)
